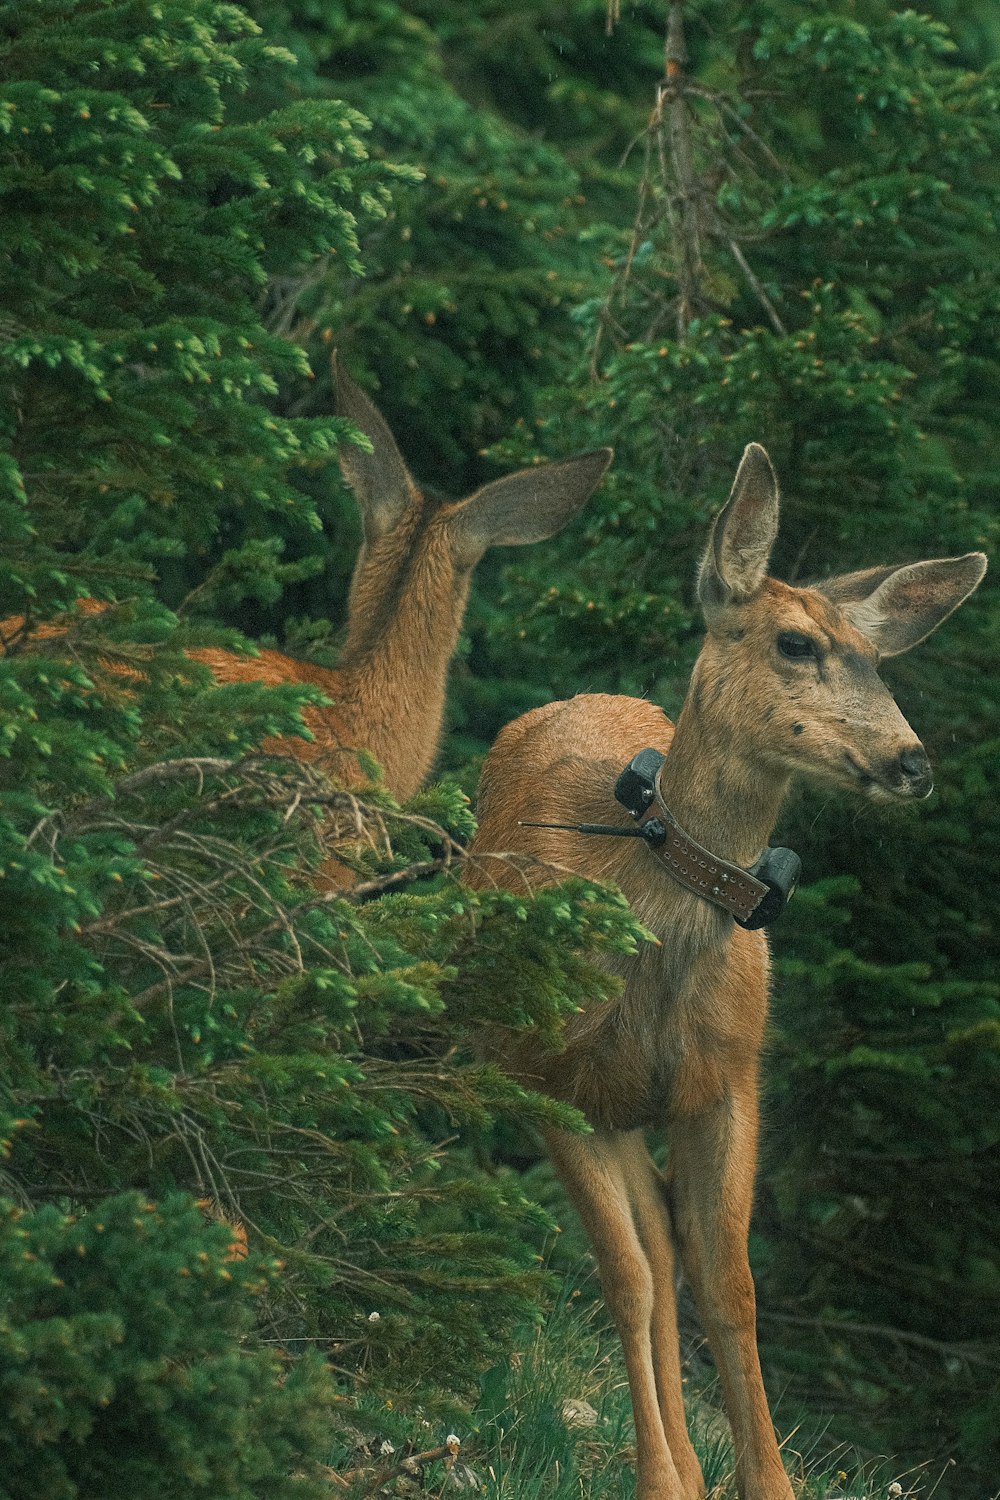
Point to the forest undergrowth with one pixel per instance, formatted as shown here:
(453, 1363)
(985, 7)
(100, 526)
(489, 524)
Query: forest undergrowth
(554, 1422)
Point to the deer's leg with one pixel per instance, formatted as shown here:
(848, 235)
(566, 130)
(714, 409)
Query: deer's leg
(714, 1161)
(597, 1175)
(652, 1220)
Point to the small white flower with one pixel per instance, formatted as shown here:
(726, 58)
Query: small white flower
(453, 1443)
(374, 1317)
(386, 1447)
(895, 1489)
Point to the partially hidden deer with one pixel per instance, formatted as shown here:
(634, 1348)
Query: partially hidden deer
(786, 685)
(407, 600)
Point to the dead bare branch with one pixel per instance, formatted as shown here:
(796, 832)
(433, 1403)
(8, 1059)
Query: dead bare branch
(685, 159)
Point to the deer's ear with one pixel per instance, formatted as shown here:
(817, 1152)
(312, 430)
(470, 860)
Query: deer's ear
(898, 607)
(525, 507)
(380, 479)
(739, 547)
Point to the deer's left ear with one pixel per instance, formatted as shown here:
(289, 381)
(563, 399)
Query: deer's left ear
(378, 476)
(898, 607)
(739, 547)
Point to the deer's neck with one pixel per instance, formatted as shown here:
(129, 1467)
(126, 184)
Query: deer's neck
(717, 796)
(394, 675)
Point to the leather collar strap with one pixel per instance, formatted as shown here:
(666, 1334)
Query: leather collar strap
(727, 886)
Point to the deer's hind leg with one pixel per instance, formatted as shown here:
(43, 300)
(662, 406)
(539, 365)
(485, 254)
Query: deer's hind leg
(615, 1188)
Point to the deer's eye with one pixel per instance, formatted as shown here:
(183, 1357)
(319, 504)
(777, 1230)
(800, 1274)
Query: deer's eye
(796, 647)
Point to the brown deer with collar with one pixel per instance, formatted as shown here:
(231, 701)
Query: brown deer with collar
(786, 685)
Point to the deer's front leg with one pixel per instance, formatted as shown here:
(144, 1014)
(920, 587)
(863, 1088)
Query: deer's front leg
(714, 1157)
(597, 1171)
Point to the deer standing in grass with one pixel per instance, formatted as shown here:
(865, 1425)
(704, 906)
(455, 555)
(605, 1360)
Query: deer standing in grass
(407, 599)
(786, 684)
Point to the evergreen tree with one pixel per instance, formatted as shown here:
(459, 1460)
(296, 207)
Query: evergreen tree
(811, 265)
(182, 1008)
(126, 1369)
(472, 280)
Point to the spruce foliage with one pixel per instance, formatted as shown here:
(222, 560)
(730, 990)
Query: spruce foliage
(190, 192)
(472, 280)
(122, 1370)
(183, 1007)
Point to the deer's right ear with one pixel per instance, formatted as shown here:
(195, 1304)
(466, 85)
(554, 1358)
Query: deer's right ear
(739, 546)
(525, 507)
(380, 479)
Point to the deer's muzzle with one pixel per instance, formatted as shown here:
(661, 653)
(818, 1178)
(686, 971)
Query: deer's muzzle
(914, 772)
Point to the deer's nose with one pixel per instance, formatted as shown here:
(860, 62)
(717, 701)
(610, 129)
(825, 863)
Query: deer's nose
(915, 770)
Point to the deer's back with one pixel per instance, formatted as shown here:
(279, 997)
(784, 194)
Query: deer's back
(331, 729)
(559, 764)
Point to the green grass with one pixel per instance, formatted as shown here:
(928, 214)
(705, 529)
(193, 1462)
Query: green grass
(555, 1423)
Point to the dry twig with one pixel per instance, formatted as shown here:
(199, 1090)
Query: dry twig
(684, 161)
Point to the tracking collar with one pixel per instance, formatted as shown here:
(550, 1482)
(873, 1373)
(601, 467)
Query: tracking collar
(754, 898)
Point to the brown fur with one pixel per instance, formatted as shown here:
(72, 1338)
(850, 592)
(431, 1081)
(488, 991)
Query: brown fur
(388, 697)
(680, 1048)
